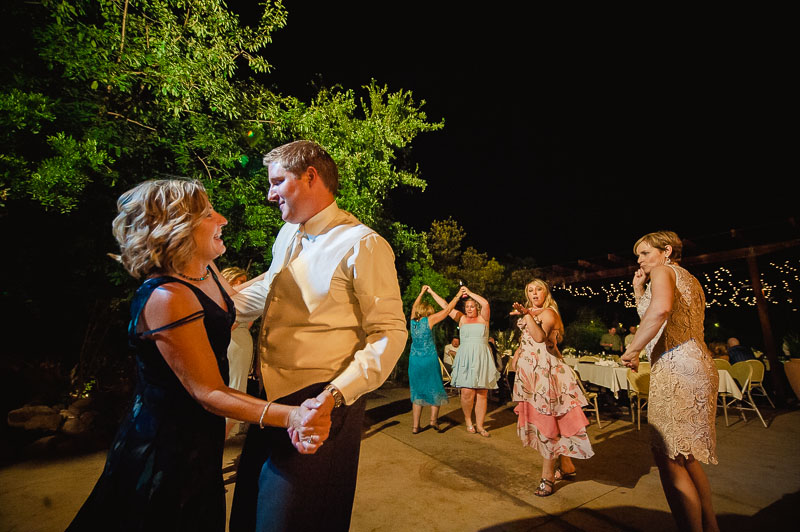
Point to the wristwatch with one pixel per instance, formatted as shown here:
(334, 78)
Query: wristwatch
(338, 398)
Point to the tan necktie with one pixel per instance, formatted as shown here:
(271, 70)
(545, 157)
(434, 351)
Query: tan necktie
(294, 250)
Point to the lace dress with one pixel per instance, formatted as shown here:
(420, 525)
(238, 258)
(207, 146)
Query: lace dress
(550, 416)
(683, 381)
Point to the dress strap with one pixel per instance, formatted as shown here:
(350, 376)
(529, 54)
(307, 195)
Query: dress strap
(143, 295)
(177, 323)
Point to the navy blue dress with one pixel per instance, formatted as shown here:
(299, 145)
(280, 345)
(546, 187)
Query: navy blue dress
(424, 372)
(164, 468)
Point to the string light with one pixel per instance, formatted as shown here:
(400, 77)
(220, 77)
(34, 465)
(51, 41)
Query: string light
(722, 288)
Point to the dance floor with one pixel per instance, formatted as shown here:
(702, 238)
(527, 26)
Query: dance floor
(463, 482)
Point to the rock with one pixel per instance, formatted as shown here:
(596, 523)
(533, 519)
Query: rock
(80, 405)
(35, 418)
(79, 425)
(73, 427)
(42, 445)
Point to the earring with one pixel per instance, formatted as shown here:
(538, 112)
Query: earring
(667, 261)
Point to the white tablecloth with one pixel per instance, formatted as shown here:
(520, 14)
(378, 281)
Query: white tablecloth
(616, 379)
(728, 384)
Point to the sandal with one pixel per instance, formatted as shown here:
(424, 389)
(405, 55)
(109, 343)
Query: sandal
(414, 430)
(561, 475)
(484, 433)
(471, 429)
(545, 489)
(435, 426)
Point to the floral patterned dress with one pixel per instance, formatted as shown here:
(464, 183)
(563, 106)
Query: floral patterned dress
(683, 379)
(549, 402)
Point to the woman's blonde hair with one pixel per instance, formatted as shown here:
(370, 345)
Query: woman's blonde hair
(155, 223)
(232, 273)
(660, 240)
(423, 309)
(549, 302)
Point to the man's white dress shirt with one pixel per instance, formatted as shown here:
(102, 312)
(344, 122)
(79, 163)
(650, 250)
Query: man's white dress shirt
(333, 313)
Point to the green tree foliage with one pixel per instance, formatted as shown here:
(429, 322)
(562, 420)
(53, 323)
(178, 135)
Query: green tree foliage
(585, 331)
(98, 95)
(444, 241)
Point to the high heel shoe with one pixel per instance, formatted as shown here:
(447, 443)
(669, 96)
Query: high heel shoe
(561, 475)
(545, 489)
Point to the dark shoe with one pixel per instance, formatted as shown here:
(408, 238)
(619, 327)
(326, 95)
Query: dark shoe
(545, 489)
(414, 430)
(560, 475)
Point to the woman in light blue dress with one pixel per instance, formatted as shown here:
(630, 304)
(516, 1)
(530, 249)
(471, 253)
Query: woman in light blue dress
(474, 370)
(424, 373)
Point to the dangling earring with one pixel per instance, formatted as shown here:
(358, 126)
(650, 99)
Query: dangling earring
(667, 261)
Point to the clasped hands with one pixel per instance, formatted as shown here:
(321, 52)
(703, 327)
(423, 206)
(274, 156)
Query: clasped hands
(310, 423)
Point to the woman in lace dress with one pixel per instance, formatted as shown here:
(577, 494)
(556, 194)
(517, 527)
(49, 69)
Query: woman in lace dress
(551, 419)
(683, 379)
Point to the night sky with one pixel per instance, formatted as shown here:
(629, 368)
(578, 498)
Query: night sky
(566, 136)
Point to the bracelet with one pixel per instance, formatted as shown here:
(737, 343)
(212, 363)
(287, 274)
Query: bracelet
(263, 413)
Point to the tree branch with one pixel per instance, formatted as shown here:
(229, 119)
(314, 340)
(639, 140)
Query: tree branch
(204, 164)
(132, 121)
(124, 22)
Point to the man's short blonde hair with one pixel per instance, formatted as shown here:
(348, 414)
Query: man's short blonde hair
(297, 156)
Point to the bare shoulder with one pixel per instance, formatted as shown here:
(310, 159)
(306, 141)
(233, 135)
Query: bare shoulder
(170, 302)
(661, 272)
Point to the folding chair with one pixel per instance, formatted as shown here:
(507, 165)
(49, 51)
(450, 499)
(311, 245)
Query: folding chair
(639, 390)
(757, 380)
(721, 363)
(590, 396)
(445, 373)
(742, 372)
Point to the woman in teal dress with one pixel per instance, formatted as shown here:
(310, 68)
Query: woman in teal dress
(474, 370)
(424, 373)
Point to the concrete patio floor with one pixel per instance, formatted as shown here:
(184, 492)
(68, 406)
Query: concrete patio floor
(459, 481)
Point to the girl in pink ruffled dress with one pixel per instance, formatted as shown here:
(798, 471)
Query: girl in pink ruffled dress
(549, 399)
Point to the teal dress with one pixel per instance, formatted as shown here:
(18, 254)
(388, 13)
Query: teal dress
(474, 364)
(424, 373)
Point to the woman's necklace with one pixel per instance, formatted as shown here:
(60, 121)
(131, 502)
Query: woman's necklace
(203, 278)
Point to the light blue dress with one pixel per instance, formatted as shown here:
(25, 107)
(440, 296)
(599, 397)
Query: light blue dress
(474, 365)
(424, 373)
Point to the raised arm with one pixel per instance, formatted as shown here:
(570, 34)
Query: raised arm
(540, 326)
(485, 310)
(416, 301)
(454, 314)
(435, 318)
(662, 287)
(639, 282)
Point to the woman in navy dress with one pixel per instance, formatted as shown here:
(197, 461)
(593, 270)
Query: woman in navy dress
(424, 373)
(164, 468)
